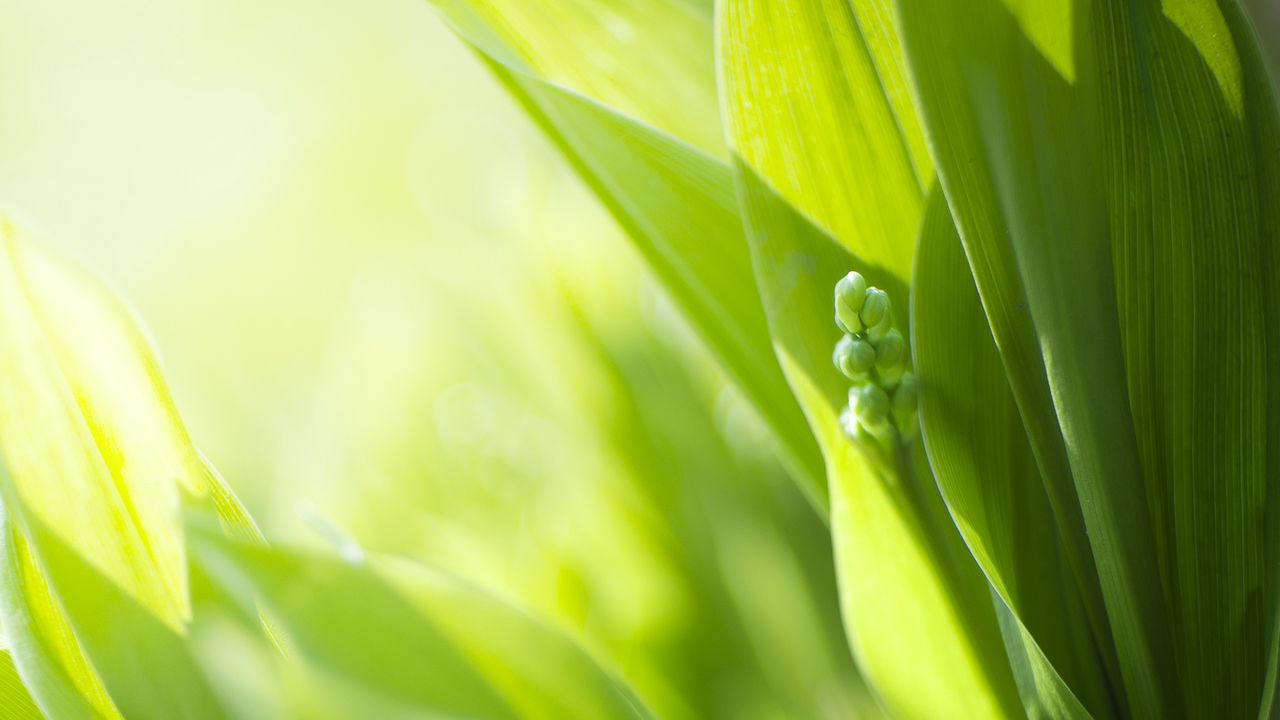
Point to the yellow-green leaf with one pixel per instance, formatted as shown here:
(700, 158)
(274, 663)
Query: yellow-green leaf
(914, 602)
(818, 107)
(15, 701)
(676, 202)
(415, 637)
(90, 453)
(94, 463)
(822, 133)
(649, 60)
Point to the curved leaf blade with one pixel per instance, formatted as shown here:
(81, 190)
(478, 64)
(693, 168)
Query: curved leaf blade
(94, 461)
(810, 109)
(650, 61)
(815, 107)
(676, 203)
(992, 484)
(1110, 169)
(913, 600)
(410, 635)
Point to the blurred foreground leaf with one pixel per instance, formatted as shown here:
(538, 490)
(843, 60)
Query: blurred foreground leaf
(415, 638)
(93, 460)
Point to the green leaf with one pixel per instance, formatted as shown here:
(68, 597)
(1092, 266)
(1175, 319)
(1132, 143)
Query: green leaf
(15, 701)
(675, 202)
(88, 455)
(1111, 168)
(650, 61)
(914, 602)
(412, 636)
(49, 658)
(93, 460)
(818, 106)
(810, 107)
(992, 485)
(145, 666)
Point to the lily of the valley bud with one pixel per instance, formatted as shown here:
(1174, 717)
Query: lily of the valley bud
(875, 308)
(891, 356)
(854, 357)
(871, 405)
(873, 354)
(877, 332)
(851, 293)
(905, 398)
(891, 350)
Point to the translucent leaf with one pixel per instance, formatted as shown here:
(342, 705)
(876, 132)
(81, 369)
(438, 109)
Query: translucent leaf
(15, 701)
(409, 635)
(914, 602)
(676, 203)
(823, 133)
(95, 460)
(90, 457)
(650, 60)
(818, 106)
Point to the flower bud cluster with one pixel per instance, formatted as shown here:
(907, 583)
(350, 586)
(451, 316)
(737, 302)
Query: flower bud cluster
(873, 354)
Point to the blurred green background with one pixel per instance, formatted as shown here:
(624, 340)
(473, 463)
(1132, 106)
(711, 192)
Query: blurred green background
(391, 316)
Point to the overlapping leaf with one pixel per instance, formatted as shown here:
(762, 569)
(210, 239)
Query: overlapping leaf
(992, 484)
(675, 200)
(912, 597)
(1111, 170)
(94, 462)
(820, 110)
(927, 561)
(416, 639)
(72, 420)
(816, 115)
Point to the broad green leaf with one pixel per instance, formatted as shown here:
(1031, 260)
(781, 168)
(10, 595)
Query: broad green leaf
(819, 108)
(991, 483)
(818, 138)
(1111, 170)
(94, 460)
(994, 266)
(650, 60)
(1017, 179)
(675, 202)
(413, 636)
(914, 602)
